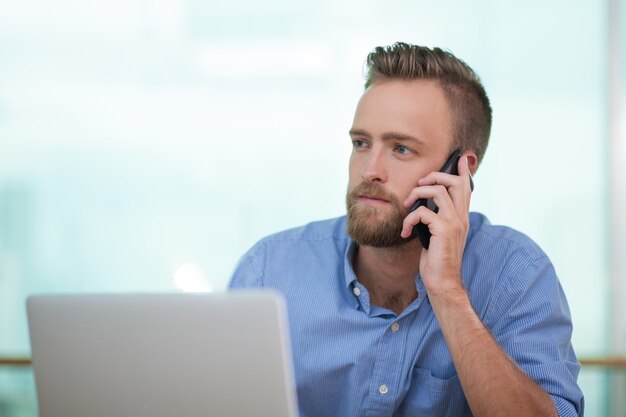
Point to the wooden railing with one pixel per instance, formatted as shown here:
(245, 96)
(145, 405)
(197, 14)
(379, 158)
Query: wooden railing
(15, 362)
(606, 362)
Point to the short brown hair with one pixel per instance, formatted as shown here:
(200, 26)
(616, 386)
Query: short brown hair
(468, 101)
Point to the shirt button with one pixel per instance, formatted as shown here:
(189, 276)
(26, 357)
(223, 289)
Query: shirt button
(383, 389)
(395, 327)
(356, 291)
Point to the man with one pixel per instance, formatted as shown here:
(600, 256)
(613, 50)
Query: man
(476, 324)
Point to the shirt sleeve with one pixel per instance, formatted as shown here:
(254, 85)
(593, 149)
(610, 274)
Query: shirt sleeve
(249, 271)
(532, 323)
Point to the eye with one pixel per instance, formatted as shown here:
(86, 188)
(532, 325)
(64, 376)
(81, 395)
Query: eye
(403, 150)
(358, 143)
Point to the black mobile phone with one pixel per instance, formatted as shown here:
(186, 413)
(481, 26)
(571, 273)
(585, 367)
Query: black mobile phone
(421, 230)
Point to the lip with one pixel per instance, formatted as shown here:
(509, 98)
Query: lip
(372, 200)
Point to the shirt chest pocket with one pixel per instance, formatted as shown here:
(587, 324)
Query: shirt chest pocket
(432, 396)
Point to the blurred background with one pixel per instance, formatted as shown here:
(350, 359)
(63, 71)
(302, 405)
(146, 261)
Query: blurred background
(145, 145)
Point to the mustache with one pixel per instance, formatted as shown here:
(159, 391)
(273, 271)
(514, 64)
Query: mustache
(372, 190)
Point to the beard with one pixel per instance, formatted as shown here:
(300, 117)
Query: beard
(379, 227)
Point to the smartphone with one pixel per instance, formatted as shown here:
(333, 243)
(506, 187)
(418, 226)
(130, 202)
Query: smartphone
(421, 230)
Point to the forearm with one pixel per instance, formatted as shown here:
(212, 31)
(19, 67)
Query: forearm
(493, 384)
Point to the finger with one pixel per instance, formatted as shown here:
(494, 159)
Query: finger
(438, 177)
(438, 193)
(458, 186)
(441, 197)
(422, 214)
(461, 195)
(464, 172)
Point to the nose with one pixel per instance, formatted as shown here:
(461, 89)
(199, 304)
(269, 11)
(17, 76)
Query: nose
(374, 169)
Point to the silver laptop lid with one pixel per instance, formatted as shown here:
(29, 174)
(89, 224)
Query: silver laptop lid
(162, 355)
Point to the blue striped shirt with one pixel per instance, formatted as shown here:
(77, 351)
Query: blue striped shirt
(353, 358)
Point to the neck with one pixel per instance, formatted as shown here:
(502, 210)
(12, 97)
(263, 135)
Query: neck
(389, 274)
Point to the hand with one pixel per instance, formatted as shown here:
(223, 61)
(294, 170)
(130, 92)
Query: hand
(440, 265)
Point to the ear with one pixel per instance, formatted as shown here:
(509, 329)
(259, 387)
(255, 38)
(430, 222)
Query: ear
(472, 161)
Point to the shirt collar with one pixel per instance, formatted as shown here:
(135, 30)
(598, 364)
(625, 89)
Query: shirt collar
(363, 299)
(348, 270)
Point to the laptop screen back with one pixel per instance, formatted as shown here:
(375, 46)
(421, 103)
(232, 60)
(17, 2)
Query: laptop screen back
(183, 355)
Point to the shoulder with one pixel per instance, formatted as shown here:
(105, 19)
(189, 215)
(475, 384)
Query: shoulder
(513, 283)
(518, 296)
(486, 238)
(302, 248)
(330, 229)
(503, 266)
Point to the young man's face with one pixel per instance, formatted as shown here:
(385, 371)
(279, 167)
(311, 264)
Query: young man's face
(402, 131)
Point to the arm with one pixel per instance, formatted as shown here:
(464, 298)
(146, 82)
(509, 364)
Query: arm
(493, 383)
(249, 270)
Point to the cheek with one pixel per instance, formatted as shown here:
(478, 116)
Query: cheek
(407, 181)
(354, 173)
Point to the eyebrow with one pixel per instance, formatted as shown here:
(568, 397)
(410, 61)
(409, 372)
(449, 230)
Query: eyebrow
(388, 136)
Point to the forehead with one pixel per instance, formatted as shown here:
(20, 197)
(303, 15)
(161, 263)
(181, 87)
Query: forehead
(418, 108)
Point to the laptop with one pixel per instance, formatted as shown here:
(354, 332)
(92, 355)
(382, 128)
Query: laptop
(162, 355)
